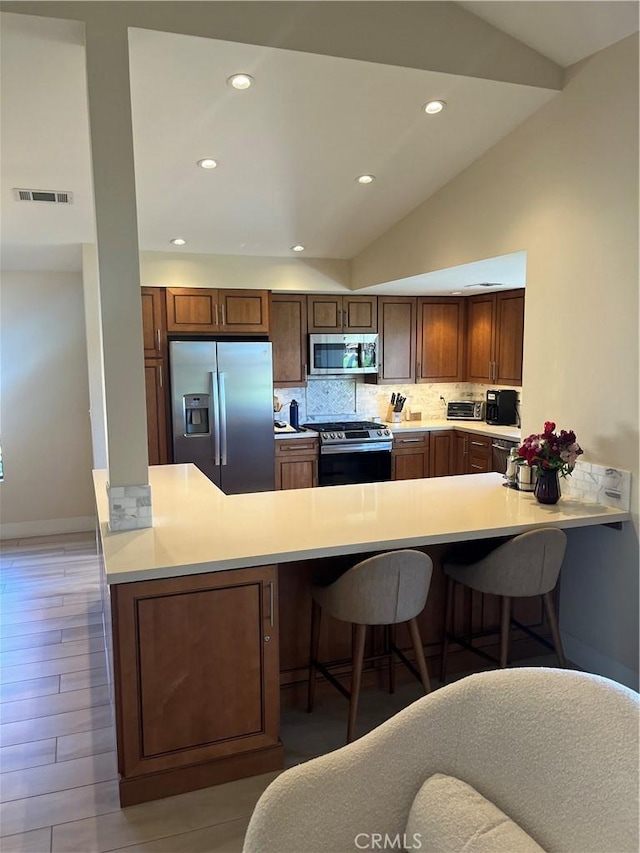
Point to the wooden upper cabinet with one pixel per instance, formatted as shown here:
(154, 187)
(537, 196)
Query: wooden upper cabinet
(481, 324)
(509, 337)
(154, 322)
(397, 329)
(201, 310)
(494, 337)
(289, 338)
(440, 339)
(244, 311)
(332, 313)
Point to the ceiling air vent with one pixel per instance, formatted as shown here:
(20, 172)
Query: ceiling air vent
(49, 196)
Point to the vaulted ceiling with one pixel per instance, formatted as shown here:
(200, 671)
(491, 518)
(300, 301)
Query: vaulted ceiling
(288, 149)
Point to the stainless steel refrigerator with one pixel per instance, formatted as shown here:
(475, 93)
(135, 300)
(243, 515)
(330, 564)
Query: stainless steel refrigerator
(222, 412)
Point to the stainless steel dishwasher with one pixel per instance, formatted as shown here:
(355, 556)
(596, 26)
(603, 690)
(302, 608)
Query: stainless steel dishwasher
(500, 449)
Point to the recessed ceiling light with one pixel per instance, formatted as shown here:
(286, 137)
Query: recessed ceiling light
(432, 108)
(456, 293)
(178, 241)
(297, 248)
(240, 81)
(365, 179)
(207, 163)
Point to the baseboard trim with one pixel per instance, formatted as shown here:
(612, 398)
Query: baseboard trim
(591, 660)
(27, 529)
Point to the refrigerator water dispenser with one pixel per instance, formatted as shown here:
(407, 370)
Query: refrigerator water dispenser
(196, 414)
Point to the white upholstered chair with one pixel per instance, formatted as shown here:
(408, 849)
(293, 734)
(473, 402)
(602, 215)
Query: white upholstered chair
(555, 750)
(386, 589)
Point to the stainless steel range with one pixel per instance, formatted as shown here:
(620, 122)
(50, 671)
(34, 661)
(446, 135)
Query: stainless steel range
(353, 452)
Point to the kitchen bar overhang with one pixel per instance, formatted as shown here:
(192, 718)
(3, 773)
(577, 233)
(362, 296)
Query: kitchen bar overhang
(197, 528)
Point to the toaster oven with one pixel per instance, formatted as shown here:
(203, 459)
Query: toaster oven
(465, 410)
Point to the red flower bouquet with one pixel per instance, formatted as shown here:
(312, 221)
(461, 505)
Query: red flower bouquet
(550, 451)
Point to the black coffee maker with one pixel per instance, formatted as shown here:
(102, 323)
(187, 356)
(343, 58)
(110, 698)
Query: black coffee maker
(501, 407)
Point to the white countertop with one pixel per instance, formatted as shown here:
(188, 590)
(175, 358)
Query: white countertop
(434, 424)
(199, 529)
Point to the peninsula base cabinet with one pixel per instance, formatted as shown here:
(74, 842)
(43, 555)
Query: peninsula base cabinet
(195, 681)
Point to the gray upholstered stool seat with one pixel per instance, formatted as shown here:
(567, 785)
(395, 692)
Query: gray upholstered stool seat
(527, 565)
(383, 590)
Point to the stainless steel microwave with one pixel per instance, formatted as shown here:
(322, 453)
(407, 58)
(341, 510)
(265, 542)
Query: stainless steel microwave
(339, 355)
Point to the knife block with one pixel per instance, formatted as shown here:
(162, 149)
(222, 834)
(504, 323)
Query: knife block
(393, 417)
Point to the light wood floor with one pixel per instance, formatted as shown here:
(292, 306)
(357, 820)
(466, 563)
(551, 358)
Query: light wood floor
(58, 781)
(58, 778)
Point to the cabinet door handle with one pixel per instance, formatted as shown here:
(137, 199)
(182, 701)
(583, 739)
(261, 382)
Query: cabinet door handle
(224, 320)
(297, 447)
(215, 314)
(158, 339)
(160, 377)
(408, 440)
(478, 467)
(478, 444)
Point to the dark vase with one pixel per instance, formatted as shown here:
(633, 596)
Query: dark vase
(547, 490)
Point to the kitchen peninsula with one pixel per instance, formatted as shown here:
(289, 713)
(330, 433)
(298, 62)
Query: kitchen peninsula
(195, 620)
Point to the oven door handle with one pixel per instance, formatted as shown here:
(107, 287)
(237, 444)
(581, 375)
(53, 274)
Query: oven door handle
(364, 447)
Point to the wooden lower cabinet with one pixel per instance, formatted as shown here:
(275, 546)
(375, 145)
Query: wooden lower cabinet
(472, 453)
(196, 681)
(441, 452)
(155, 378)
(410, 456)
(479, 458)
(296, 463)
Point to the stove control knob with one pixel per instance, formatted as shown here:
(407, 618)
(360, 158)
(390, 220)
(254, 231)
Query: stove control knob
(332, 435)
(325, 435)
(379, 432)
(339, 435)
(386, 432)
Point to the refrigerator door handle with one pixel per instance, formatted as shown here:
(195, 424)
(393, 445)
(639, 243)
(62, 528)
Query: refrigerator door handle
(214, 414)
(223, 418)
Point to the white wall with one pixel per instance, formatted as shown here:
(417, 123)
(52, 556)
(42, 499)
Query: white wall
(564, 187)
(172, 269)
(93, 327)
(46, 438)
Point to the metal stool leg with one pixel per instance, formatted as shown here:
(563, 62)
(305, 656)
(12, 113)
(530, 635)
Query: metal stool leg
(316, 616)
(356, 678)
(552, 619)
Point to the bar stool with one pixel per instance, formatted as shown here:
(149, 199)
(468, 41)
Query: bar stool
(383, 590)
(527, 565)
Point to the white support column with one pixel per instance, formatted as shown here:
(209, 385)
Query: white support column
(119, 275)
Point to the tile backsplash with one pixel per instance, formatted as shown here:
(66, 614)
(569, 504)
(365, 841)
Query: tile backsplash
(324, 399)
